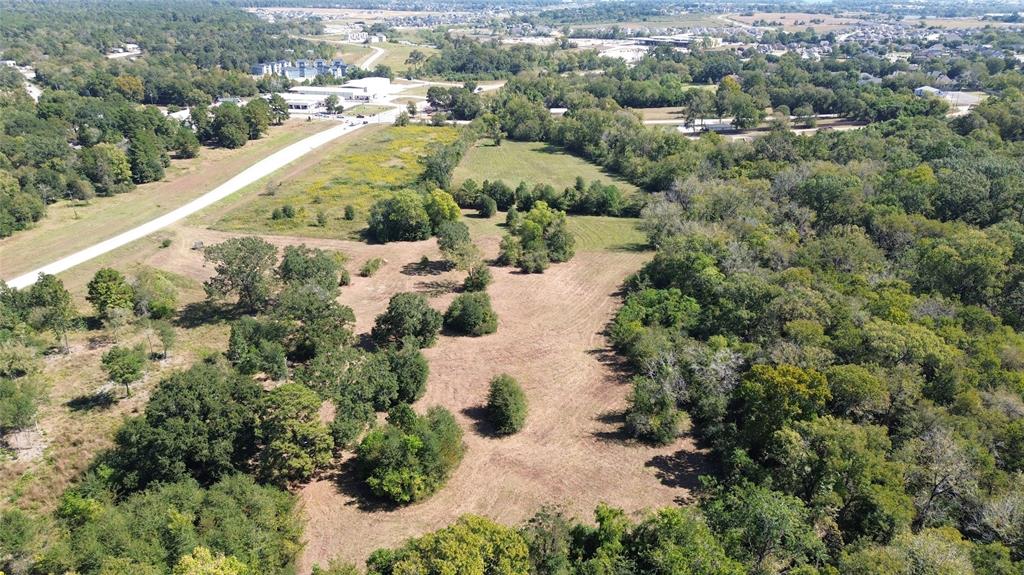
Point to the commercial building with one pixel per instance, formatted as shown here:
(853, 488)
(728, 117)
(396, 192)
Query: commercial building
(363, 89)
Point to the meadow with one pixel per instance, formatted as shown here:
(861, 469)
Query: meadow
(353, 172)
(532, 162)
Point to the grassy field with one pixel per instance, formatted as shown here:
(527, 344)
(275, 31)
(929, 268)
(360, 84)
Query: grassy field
(365, 110)
(397, 54)
(357, 172)
(533, 162)
(592, 233)
(71, 226)
(350, 53)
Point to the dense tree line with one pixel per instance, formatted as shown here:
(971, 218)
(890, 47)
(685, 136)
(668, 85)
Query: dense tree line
(842, 338)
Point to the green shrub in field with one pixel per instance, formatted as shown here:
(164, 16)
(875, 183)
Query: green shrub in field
(408, 320)
(412, 456)
(478, 279)
(488, 207)
(370, 267)
(471, 314)
(402, 217)
(506, 405)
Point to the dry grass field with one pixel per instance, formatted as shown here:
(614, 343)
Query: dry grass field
(570, 453)
(798, 21)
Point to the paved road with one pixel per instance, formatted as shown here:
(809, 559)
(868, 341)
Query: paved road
(253, 173)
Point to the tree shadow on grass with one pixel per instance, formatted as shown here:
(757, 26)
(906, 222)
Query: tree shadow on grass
(91, 401)
(617, 434)
(615, 363)
(631, 247)
(681, 469)
(426, 268)
(206, 312)
(438, 287)
(481, 425)
(347, 481)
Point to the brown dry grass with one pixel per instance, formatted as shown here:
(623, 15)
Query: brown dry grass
(799, 21)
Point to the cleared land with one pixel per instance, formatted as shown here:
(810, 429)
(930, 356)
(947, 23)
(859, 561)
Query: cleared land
(798, 21)
(570, 452)
(70, 226)
(669, 21)
(353, 172)
(532, 162)
(396, 55)
(955, 22)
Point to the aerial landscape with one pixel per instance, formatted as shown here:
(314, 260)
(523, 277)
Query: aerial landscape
(536, 287)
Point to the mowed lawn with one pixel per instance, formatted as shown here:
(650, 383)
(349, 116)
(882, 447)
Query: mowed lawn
(532, 162)
(354, 172)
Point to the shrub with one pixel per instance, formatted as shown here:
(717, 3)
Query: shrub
(652, 414)
(408, 320)
(471, 545)
(478, 279)
(412, 456)
(19, 399)
(402, 217)
(488, 207)
(350, 419)
(506, 405)
(155, 294)
(125, 365)
(350, 212)
(109, 290)
(471, 314)
(510, 251)
(411, 371)
(370, 267)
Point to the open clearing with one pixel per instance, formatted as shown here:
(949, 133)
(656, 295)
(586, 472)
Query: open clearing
(396, 55)
(71, 226)
(533, 162)
(353, 172)
(692, 19)
(798, 21)
(570, 453)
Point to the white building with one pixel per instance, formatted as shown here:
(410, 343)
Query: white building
(927, 91)
(363, 89)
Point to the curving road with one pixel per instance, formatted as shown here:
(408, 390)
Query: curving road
(252, 174)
